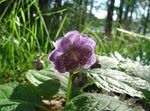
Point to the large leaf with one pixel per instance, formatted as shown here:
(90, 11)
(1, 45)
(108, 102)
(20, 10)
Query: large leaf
(15, 97)
(49, 88)
(136, 69)
(117, 81)
(97, 102)
(133, 68)
(107, 62)
(39, 77)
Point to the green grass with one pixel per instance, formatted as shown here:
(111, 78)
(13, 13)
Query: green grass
(23, 37)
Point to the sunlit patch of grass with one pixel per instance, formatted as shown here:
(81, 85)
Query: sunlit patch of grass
(24, 35)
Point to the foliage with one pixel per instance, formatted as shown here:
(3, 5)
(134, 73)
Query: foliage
(48, 82)
(22, 97)
(27, 32)
(24, 36)
(97, 102)
(39, 77)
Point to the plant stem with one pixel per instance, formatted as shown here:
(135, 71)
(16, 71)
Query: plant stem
(69, 88)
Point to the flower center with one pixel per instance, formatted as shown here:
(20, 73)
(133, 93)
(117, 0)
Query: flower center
(74, 57)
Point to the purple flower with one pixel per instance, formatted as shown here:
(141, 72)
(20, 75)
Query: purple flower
(72, 51)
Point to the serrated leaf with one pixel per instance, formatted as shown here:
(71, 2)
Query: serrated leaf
(136, 69)
(39, 77)
(136, 76)
(107, 62)
(133, 68)
(117, 81)
(15, 97)
(97, 102)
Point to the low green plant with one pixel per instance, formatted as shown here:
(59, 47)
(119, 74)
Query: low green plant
(47, 83)
(24, 36)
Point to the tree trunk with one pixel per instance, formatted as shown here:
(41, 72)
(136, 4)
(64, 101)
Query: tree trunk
(55, 19)
(147, 19)
(130, 18)
(126, 18)
(83, 14)
(120, 11)
(132, 8)
(80, 10)
(127, 11)
(91, 8)
(57, 4)
(109, 19)
(43, 4)
(57, 7)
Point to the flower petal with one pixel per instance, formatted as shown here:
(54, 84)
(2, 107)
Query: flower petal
(54, 55)
(73, 50)
(90, 61)
(60, 65)
(66, 44)
(86, 51)
(73, 36)
(72, 33)
(58, 43)
(88, 41)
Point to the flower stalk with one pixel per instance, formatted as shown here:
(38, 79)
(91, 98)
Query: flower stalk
(69, 88)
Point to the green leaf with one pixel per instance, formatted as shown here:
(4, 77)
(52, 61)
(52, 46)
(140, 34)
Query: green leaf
(97, 102)
(108, 62)
(147, 95)
(49, 88)
(117, 81)
(15, 97)
(127, 74)
(136, 69)
(133, 68)
(39, 77)
(26, 97)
